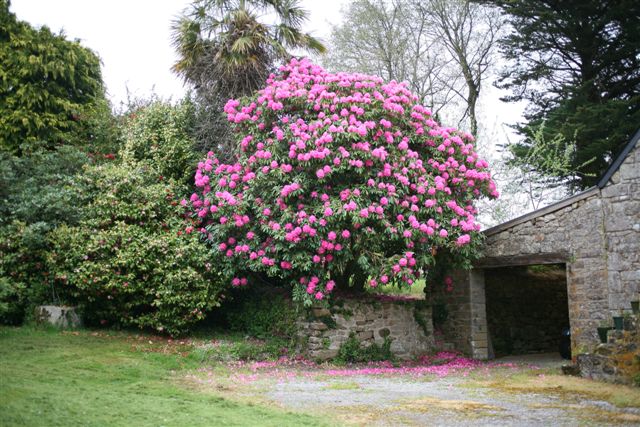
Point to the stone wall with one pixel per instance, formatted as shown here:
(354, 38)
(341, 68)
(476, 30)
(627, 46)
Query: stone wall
(465, 324)
(596, 234)
(574, 233)
(621, 203)
(406, 323)
(618, 360)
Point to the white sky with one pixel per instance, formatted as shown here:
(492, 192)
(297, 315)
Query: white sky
(133, 39)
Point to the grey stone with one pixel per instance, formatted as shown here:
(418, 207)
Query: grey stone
(57, 315)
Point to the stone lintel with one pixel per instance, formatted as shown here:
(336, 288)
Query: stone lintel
(530, 259)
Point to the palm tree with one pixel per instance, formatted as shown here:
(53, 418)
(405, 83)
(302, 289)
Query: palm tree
(225, 47)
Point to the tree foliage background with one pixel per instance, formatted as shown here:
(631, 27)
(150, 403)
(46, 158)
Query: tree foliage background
(51, 90)
(443, 48)
(577, 63)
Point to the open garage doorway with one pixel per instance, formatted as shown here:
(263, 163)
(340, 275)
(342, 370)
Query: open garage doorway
(527, 309)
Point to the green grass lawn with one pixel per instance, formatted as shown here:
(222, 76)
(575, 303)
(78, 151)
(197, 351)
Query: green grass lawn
(415, 291)
(51, 378)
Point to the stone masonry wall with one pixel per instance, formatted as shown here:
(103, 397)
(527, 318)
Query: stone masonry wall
(577, 230)
(596, 234)
(621, 203)
(464, 327)
(406, 323)
(617, 360)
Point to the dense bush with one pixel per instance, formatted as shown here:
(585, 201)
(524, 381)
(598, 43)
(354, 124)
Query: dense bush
(262, 313)
(159, 136)
(342, 179)
(126, 262)
(352, 351)
(42, 187)
(37, 193)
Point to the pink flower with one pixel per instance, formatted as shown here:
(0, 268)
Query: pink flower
(319, 295)
(346, 234)
(463, 240)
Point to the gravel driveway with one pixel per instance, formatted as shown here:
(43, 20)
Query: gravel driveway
(380, 401)
(460, 393)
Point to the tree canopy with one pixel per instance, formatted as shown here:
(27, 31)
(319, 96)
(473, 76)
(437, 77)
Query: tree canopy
(227, 49)
(342, 180)
(577, 62)
(51, 89)
(442, 48)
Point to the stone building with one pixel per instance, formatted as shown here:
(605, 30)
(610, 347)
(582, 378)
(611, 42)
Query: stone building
(591, 238)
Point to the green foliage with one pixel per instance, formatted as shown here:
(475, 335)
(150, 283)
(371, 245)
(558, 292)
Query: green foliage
(51, 90)
(37, 193)
(11, 301)
(352, 351)
(158, 136)
(24, 276)
(546, 161)
(577, 64)
(126, 261)
(421, 320)
(42, 187)
(261, 313)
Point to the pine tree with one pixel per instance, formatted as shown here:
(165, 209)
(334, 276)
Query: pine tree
(577, 62)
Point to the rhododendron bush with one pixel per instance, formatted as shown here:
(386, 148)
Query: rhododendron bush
(342, 180)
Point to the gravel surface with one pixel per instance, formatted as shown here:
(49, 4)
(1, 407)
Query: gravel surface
(384, 401)
(473, 394)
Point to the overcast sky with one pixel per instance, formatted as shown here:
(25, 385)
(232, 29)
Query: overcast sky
(132, 37)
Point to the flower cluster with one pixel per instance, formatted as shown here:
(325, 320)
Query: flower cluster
(341, 177)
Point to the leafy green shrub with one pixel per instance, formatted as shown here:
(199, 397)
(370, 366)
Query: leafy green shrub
(24, 276)
(37, 193)
(353, 352)
(126, 262)
(158, 136)
(42, 187)
(11, 301)
(261, 313)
